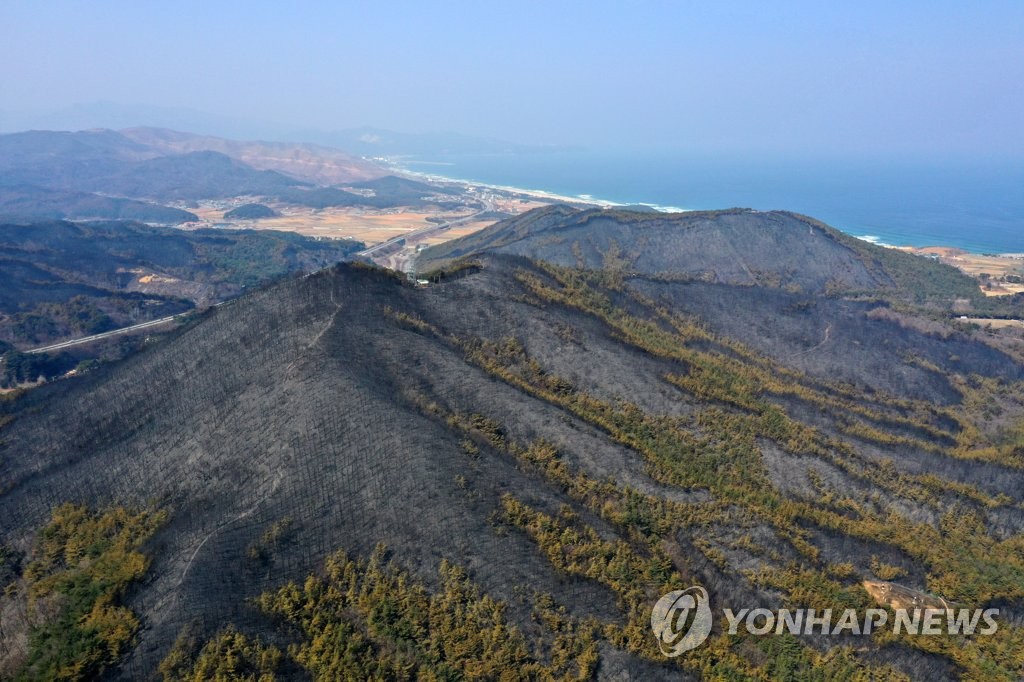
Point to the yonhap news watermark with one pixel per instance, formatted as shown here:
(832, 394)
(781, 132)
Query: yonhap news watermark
(682, 620)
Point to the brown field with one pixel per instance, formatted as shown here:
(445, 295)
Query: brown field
(1003, 289)
(211, 214)
(455, 232)
(340, 223)
(995, 323)
(368, 226)
(989, 270)
(516, 206)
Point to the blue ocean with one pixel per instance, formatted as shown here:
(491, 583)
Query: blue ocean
(977, 206)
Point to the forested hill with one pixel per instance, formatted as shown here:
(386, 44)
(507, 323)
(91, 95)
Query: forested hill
(344, 476)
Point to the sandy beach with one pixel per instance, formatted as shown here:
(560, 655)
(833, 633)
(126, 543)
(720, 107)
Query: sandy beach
(539, 194)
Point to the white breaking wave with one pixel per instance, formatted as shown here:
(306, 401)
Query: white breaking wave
(584, 198)
(877, 241)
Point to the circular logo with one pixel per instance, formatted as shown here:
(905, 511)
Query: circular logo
(681, 620)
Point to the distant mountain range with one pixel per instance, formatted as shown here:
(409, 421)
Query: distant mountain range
(313, 163)
(67, 175)
(363, 140)
(107, 174)
(115, 273)
(26, 204)
(114, 115)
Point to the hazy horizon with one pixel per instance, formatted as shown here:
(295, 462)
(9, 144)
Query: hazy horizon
(920, 80)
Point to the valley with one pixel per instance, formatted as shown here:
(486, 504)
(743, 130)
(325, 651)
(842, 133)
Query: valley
(372, 226)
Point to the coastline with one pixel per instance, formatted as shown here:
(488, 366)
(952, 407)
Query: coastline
(540, 194)
(934, 249)
(916, 204)
(963, 259)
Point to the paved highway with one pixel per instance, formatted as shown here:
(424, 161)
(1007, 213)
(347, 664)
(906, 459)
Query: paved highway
(428, 230)
(104, 335)
(422, 232)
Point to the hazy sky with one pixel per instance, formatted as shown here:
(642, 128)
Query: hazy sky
(799, 78)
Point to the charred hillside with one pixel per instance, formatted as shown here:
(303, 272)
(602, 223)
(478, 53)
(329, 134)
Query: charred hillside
(60, 280)
(772, 249)
(574, 442)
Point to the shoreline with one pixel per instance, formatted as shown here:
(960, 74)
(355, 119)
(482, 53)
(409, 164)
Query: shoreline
(584, 199)
(934, 248)
(948, 252)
